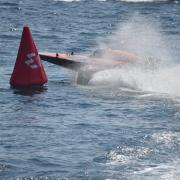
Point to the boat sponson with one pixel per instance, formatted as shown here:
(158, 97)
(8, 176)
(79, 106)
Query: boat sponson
(66, 63)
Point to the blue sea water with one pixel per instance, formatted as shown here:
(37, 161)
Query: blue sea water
(102, 130)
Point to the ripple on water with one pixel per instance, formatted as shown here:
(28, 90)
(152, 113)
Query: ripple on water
(4, 167)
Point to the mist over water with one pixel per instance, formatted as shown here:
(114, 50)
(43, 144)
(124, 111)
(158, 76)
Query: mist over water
(157, 70)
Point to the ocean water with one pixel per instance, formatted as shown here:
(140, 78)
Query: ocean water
(103, 130)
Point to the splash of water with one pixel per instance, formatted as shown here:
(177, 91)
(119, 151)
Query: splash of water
(157, 71)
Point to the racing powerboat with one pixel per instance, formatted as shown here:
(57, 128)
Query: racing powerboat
(86, 65)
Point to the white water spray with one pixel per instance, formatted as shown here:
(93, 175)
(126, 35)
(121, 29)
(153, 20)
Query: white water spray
(141, 36)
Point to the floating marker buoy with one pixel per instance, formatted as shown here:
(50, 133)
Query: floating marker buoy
(28, 70)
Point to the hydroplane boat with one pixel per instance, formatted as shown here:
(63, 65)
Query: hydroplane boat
(86, 65)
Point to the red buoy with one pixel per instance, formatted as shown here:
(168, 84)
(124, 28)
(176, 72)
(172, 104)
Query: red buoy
(28, 69)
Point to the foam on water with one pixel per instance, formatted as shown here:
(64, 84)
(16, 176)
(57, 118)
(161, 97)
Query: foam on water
(166, 137)
(125, 155)
(170, 171)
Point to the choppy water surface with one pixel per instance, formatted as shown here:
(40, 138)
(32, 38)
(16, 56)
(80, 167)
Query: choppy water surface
(103, 130)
